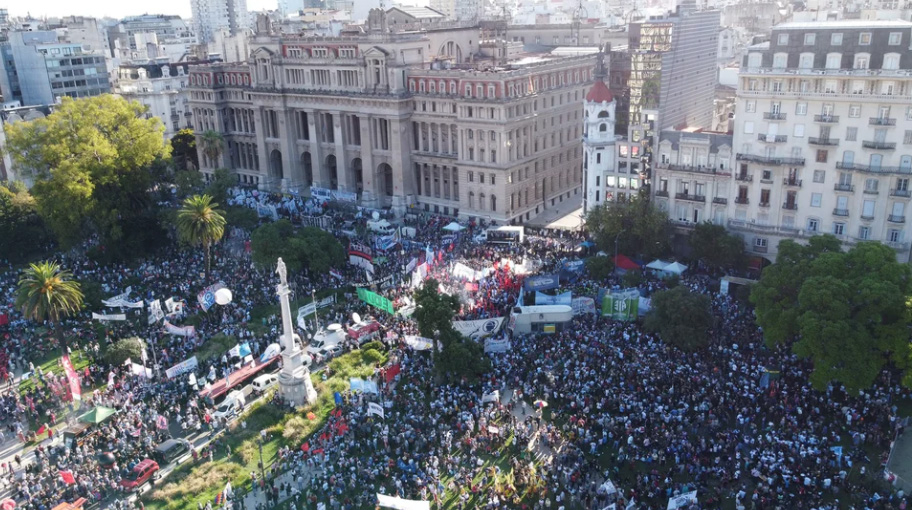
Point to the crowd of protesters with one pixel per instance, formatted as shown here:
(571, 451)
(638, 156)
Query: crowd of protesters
(622, 405)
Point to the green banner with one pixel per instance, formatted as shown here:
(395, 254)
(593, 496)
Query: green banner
(621, 305)
(376, 300)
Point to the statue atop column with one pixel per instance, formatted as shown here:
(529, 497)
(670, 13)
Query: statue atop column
(295, 385)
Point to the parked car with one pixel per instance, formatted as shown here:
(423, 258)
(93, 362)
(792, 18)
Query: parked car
(171, 450)
(264, 382)
(331, 351)
(139, 475)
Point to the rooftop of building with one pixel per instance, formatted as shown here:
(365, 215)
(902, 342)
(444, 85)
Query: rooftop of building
(843, 24)
(716, 139)
(418, 12)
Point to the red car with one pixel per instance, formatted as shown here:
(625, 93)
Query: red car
(140, 474)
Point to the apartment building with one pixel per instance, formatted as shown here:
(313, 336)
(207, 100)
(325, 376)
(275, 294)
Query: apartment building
(823, 135)
(210, 16)
(151, 37)
(162, 89)
(403, 120)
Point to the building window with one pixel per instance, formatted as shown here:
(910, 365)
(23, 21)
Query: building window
(783, 39)
(780, 60)
(821, 156)
(864, 39)
(750, 106)
(894, 236)
(839, 229)
(895, 39)
(816, 198)
(471, 176)
(760, 242)
(871, 185)
(812, 225)
(836, 39)
(819, 175)
(851, 134)
(834, 60)
(810, 39)
(801, 109)
(864, 233)
(861, 61)
(907, 137)
(854, 111)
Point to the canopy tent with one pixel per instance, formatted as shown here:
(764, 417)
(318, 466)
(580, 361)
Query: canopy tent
(658, 265)
(454, 227)
(624, 262)
(675, 267)
(385, 501)
(587, 244)
(97, 415)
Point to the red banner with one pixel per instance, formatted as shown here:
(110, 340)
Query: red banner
(72, 378)
(67, 477)
(391, 372)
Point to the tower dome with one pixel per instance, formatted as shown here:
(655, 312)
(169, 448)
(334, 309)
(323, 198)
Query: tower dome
(599, 92)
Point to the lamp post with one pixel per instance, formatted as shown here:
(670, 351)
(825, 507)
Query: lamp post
(616, 239)
(262, 465)
(313, 296)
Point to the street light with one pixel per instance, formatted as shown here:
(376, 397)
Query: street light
(262, 466)
(313, 296)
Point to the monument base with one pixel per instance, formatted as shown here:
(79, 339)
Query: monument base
(296, 387)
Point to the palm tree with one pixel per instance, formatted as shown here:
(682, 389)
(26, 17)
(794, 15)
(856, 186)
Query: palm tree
(48, 293)
(212, 143)
(199, 222)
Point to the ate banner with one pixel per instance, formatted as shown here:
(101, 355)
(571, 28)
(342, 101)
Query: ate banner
(72, 378)
(376, 300)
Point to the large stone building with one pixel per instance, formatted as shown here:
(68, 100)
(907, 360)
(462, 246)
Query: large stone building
(162, 89)
(151, 37)
(823, 135)
(401, 119)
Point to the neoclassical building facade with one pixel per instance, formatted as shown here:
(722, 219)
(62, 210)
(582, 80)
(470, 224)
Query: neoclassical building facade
(436, 119)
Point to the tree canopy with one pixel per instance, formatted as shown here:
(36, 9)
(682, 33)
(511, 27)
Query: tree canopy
(454, 355)
(846, 311)
(599, 267)
(46, 292)
(21, 228)
(91, 160)
(307, 248)
(201, 223)
(639, 227)
(183, 150)
(716, 247)
(681, 318)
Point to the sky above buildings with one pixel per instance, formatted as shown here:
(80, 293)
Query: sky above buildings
(114, 8)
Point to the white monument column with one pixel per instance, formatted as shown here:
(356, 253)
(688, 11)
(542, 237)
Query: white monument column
(295, 385)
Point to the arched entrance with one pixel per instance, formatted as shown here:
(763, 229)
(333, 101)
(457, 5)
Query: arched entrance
(358, 175)
(307, 165)
(385, 174)
(331, 171)
(276, 173)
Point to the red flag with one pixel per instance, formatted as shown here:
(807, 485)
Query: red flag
(41, 429)
(67, 477)
(72, 377)
(305, 447)
(318, 451)
(337, 412)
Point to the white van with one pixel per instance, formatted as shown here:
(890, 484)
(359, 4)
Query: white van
(381, 227)
(231, 406)
(264, 382)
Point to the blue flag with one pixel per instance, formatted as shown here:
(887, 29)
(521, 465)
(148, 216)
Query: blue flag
(338, 397)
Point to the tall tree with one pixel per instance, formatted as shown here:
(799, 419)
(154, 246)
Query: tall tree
(716, 247)
(638, 227)
(48, 293)
(846, 311)
(90, 161)
(309, 247)
(212, 143)
(183, 150)
(681, 318)
(21, 228)
(201, 223)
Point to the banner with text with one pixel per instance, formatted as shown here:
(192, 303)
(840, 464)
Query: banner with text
(376, 300)
(109, 316)
(583, 305)
(310, 308)
(188, 365)
(560, 299)
(206, 297)
(542, 282)
(185, 331)
(621, 304)
(72, 378)
(496, 345)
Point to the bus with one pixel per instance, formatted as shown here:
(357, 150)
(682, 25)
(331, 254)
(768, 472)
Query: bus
(505, 235)
(540, 318)
(220, 388)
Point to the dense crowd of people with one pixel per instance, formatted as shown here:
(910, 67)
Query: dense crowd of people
(622, 406)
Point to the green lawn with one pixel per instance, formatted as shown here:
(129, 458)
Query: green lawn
(192, 483)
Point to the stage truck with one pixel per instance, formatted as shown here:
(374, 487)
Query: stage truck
(539, 318)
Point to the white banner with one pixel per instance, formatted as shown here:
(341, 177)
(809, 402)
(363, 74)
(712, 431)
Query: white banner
(137, 369)
(583, 305)
(119, 297)
(402, 504)
(496, 345)
(171, 329)
(494, 396)
(478, 328)
(272, 350)
(109, 317)
(155, 312)
(461, 270)
(267, 210)
(683, 501)
(419, 343)
(375, 409)
(188, 365)
(309, 309)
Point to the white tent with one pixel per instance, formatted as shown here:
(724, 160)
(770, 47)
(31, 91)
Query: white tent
(675, 267)
(454, 227)
(657, 264)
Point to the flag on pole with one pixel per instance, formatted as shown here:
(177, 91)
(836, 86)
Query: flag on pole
(161, 422)
(67, 477)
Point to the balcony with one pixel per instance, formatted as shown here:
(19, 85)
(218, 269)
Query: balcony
(769, 160)
(772, 138)
(903, 193)
(791, 206)
(791, 182)
(867, 218)
(720, 200)
(661, 193)
(814, 140)
(763, 204)
(878, 146)
(826, 119)
(742, 200)
(840, 212)
(744, 177)
(690, 197)
(844, 187)
(881, 121)
(874, 169)
(871, 191)
(700, 169)
(896, 219)
(759, 249)
(773, 116)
